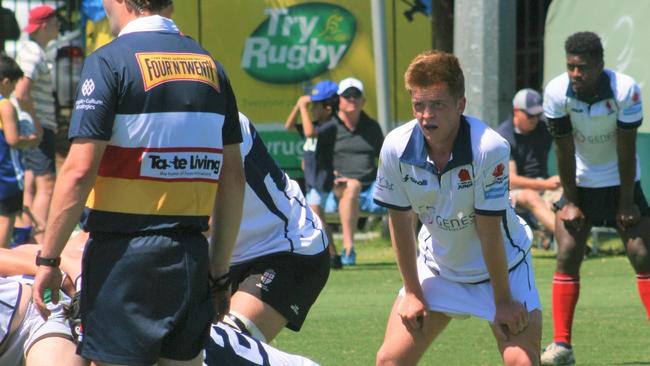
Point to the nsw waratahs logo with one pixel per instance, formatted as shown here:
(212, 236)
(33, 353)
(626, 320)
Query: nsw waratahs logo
(464, 179)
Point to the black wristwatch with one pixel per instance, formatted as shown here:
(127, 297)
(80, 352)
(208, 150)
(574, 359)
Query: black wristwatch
(50, 262)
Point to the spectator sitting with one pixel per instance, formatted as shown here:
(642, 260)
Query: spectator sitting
(531, 187)
(358, 143)
(319, 129)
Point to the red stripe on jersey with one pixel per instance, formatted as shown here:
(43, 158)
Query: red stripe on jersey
(126, 162)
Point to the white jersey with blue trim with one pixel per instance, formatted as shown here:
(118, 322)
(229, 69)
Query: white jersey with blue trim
(10, 292)
(595, 125)
(230, 347)
(275, 217)
(474, 181)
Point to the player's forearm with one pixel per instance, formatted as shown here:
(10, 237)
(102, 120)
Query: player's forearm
(566, 165)
(626, 152)
(227, 213)
(16, 262)
(73, 184)
(402, 237)
(489, 233)
(70, 193)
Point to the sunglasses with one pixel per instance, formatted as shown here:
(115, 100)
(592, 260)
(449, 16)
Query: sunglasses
(352, 93)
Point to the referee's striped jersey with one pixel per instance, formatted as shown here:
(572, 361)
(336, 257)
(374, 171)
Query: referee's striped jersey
(166, 109)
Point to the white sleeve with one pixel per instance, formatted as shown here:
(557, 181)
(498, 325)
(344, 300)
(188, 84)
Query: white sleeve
(28, 61)
(630, 107)
(492, 181)
(555, 99)
(389, 191)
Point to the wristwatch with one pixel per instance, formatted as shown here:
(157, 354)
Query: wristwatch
(50, 262)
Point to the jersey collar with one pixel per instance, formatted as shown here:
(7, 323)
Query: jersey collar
(154, 23)
(604, 90)
(415, 152)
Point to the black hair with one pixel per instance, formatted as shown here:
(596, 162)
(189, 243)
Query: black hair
(9, 68)
(332, 102)
(153, 6)
(584, 43)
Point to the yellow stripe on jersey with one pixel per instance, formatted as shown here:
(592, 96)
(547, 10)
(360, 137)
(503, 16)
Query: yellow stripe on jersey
(151, 197)
(162, 67)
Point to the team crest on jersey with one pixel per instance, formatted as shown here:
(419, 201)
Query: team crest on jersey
(464, 179)
(496, 184)
(266, 279)
(162, 67)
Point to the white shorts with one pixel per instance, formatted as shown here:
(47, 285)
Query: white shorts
(462, 300)
(32, 329)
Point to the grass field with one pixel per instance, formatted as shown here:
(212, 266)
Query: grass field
(346, 325)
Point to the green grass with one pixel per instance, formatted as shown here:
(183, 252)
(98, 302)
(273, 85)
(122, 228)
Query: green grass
(346, 325)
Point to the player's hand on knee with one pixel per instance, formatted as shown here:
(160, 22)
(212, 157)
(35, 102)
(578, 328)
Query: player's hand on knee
(627, 215)
(572, 216)
(47, 278)
(413, 312)
(511, 318)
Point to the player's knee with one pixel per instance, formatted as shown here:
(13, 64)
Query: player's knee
(638, 254)
(384, 357)
(244, 325)
(517, 357)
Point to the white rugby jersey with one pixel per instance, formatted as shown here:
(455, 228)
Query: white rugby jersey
(10, 292)
(230, 347)
(594, 125)
(275, 217)
(475, 181)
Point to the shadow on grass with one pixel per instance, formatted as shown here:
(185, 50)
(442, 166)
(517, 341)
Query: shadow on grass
(632, 363)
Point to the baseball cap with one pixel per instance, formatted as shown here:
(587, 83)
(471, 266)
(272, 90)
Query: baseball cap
(38, 16)
(348, 83)
(528, 100)
(323, 91)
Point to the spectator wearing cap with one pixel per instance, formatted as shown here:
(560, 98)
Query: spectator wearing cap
(356, 151)
(531, 187)
(319, 120)
(35, 94)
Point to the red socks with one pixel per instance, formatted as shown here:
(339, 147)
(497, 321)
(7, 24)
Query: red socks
(566, 289)
(643, 284)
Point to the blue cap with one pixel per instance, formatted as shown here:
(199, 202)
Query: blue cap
(323, 91)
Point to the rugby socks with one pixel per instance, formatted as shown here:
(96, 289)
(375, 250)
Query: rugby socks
(643, 283)
(566, 290)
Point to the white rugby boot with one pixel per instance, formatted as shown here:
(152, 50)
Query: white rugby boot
(557, 354)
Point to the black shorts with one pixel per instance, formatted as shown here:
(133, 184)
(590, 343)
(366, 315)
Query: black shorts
(599, 205)
(145, 297)
(11, 205)
(289, 283)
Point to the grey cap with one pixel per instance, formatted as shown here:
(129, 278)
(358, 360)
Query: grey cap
(528, 100)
